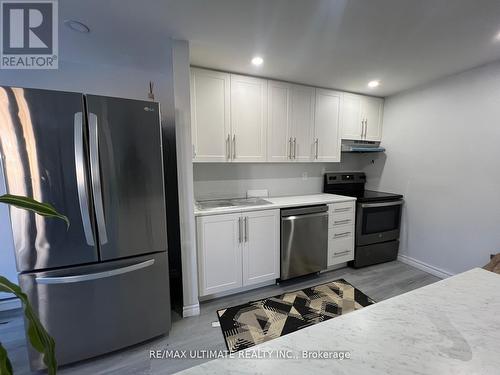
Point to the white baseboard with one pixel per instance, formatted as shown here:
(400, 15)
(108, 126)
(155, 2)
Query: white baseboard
(191, 310)
(237, 290)
(438, 272)
(10, 304)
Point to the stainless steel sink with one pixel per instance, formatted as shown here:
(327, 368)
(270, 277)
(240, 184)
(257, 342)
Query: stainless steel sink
(239, 202)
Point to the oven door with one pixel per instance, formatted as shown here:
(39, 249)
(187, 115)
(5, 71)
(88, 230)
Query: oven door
(378, 222)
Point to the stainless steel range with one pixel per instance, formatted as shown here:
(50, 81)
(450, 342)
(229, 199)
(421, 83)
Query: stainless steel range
(378, 217)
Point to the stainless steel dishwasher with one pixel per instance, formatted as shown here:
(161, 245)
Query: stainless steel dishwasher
(304, 240)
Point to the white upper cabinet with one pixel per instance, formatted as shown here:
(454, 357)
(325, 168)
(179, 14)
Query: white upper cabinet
(327, 139)
(278, 123)
(248, 118)
(238, 118)
(372, 111)
(210, 115)
(351, 117)
(302, 122)
(362, 117)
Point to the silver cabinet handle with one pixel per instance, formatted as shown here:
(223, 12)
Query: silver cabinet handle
(246, 228)
(81, 179)
(194, 152)
(317, 147)
(362, 127)
(343, 209)
(344, 234)
(294, 148)
(93, 276)
(342, 221)
(228, 146)
(234, 146)
(239, 229)
(290, 148)
(96, 178)
(342, 252)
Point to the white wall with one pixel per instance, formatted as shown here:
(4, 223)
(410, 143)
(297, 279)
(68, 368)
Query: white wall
(97, 79)
(443, 154)
(226, 180)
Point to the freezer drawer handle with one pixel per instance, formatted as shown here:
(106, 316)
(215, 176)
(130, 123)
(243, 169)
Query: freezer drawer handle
(96, 178)
(93, 276)
(81, 180)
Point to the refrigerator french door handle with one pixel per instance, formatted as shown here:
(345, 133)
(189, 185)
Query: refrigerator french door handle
(81, 179)
(96, 178)
(93, 276)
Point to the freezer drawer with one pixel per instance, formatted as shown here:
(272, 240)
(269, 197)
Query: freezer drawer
(95, 309)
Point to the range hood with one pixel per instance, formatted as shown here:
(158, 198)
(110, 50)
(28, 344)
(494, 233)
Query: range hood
(361, 146)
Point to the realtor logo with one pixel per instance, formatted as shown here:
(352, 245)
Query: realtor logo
(29, 34)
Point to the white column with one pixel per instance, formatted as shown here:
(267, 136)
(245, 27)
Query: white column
(180, 57)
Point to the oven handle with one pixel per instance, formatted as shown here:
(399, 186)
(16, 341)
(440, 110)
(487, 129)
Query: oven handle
(384, 204)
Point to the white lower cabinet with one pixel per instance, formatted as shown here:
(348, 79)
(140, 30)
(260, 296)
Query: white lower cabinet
(219, 254)
(236, 250)
(341, 232)
(261, 250)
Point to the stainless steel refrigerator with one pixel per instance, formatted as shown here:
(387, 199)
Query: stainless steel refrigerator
(101, 284)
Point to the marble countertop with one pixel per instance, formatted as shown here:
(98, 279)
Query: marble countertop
(278, 202)
(450, 327)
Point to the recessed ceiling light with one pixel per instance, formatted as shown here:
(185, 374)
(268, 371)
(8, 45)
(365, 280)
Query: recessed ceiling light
(77, 26)
(373, 84)
(257, 60)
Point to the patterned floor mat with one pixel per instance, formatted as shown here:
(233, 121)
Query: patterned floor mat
(258, 321)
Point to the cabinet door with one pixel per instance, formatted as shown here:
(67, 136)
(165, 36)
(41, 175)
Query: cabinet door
(351, 117)
(261, 246)
(372, 109)
(219, 253)
(302, 122)
(248, 118)
(327, 139)
(210, 124)
(278, 123)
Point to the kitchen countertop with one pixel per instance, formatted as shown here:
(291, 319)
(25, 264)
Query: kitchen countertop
(278, 202)
(450, 327)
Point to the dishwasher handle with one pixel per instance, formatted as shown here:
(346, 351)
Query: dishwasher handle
(304, 210)
(303, 217)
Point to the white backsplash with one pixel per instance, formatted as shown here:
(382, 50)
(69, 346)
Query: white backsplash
(233, 180)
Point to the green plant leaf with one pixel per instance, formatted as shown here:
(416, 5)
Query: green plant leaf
(37, 335)
(43, 209)
(5, 365)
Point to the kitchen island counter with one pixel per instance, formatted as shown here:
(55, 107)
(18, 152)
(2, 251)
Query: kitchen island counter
(449, 327)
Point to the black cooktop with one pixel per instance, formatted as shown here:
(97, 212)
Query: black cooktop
(352, 184)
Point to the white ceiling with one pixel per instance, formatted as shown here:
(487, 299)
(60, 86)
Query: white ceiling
(332, 43)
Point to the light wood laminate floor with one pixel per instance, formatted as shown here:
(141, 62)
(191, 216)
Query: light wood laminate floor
(196, 333)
